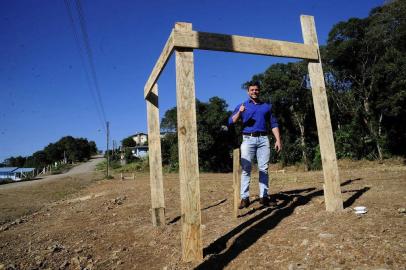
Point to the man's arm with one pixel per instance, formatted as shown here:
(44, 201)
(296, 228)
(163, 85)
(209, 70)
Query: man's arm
(278, 143)
(236, 116)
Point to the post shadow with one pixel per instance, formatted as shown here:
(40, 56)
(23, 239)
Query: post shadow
(175, 219)
(264, 222)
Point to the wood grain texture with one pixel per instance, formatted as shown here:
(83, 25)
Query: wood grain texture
(155, 159)
(159, 65)
(332, 190)
(241, 44)
(236, 180)
(188, 154)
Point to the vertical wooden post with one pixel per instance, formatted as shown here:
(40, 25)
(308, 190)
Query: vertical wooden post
(155, 159)
(236, 180)
(332, 190)
(188, 155)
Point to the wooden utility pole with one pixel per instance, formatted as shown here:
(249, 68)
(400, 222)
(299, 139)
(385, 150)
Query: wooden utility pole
(332, 190)
(108, 154)
(188, 160)
(155, 159)
(236, 180)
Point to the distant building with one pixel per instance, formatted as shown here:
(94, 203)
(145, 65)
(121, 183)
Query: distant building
(140, 151)
(15, 173)
(140, 138)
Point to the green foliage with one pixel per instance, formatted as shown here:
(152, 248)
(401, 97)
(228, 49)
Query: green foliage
(367, 59)
(61, 168)
(213, 139)
(316, 163)
(128, 142)
(74, 149)
(137, 165)
(15, 161)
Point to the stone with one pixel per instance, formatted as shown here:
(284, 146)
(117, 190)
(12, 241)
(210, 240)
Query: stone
(305, 242)
(56, 248)
(64, 265)
(326, 235)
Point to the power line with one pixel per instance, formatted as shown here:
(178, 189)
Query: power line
(94, 89)
(89, 54)
(79, 48)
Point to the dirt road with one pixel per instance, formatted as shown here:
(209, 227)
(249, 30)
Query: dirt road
(86, 167)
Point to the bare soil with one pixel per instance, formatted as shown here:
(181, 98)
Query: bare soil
(107, 223)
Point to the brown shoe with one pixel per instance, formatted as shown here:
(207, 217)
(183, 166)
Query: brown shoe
(264, 201)
(244, 203)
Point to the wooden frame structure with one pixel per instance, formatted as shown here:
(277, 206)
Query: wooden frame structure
(183, 40)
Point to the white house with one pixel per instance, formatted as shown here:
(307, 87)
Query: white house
(15, 173)
(140, 138)
(140, 151)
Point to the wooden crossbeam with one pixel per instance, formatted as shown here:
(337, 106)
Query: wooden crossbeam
(228, 43)
(241, 44)
(159, 65)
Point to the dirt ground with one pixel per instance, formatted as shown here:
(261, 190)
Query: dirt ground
(107, 223)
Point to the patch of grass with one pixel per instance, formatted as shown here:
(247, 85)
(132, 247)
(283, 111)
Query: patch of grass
(62, 168)
(140, 165)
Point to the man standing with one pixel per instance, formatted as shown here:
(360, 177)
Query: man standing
(256, 116)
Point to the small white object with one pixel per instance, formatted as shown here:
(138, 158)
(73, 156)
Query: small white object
(359, 210)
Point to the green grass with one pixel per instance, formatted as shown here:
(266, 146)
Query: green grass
(140, 165)
(62, 168)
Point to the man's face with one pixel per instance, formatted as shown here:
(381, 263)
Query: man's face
(253, 92)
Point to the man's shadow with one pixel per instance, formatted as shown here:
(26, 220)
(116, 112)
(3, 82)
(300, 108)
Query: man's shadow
(268, 219)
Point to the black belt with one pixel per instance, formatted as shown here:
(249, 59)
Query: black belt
(255, 134)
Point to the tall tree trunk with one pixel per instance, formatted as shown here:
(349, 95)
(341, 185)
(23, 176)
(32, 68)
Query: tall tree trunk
(375, 135)
(300, 123)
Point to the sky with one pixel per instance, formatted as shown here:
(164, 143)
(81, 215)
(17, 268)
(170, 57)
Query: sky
(47, 89)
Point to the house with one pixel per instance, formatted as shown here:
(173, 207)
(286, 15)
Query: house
(15, 173)
(140, 151)
(141, 148)
(140, 138)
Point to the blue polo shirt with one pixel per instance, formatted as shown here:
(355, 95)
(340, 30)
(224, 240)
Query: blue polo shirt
(255, 117)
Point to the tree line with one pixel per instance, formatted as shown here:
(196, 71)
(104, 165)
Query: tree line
(364, 64)
(69, 148)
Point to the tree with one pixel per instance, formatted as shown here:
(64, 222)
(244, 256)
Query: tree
(75, 149)
(128, 142)
(368, 57)
(214, 145)
(15, 161)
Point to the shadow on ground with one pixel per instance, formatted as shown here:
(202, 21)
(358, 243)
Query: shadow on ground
(254, 228)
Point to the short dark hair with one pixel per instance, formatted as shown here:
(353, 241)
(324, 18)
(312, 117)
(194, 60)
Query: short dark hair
(253, 83)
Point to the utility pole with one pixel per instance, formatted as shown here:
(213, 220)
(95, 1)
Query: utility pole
(108, 154)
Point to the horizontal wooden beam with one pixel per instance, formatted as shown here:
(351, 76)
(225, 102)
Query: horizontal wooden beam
(241, 44)
(228, 43)
(159, 65)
